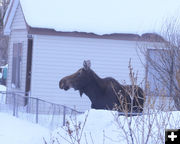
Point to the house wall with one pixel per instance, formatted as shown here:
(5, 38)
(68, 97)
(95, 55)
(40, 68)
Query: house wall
(18, 35)
(55, 57)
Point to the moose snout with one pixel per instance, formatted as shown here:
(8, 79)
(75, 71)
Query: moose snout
(63, 84)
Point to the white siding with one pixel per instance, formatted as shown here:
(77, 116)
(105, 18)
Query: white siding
(18, 21)
(55, 57)
(18, 35)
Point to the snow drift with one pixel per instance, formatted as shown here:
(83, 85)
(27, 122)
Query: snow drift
(107, 127)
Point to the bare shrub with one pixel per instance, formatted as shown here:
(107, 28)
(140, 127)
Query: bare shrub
(3, 39)
(163, 62)
(73, 130)
(3, 49)
(149, 126)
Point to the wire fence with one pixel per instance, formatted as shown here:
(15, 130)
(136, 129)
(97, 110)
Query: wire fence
(35, 110)
(53, 115)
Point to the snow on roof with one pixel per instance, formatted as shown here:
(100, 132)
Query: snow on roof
(8, 9)
(100, 16)
(4, 66)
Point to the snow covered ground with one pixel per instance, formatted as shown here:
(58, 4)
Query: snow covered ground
(16, 131)
(106, 127)
(92, 127)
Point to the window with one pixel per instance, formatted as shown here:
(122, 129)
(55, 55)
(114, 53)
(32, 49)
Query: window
(161, 69)
(16, 65)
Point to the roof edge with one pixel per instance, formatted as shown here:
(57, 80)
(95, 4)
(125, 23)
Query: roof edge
(9, 15)
(148, 37)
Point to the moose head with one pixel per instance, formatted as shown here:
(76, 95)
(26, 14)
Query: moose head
(77, 80)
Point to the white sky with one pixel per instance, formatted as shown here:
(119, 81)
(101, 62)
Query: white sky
(100, 16)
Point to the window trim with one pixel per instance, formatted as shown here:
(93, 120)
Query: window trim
(16, 55)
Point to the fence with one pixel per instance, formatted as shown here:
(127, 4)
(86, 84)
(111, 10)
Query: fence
(35, 110)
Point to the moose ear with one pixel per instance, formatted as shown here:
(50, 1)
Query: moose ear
(87, 64)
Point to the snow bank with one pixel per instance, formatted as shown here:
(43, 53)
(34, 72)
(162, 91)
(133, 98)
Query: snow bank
(106, 127)
(100, 16)
(16, 131)
(2, 94)
(2, 88)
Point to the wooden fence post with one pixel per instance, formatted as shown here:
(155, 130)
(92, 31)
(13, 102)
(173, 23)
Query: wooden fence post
(37, 109)
(64, 115)
(14, 104)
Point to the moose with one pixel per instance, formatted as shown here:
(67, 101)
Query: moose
(104, 93)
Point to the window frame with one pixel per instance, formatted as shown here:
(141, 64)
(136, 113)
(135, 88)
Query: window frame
(16, 65)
